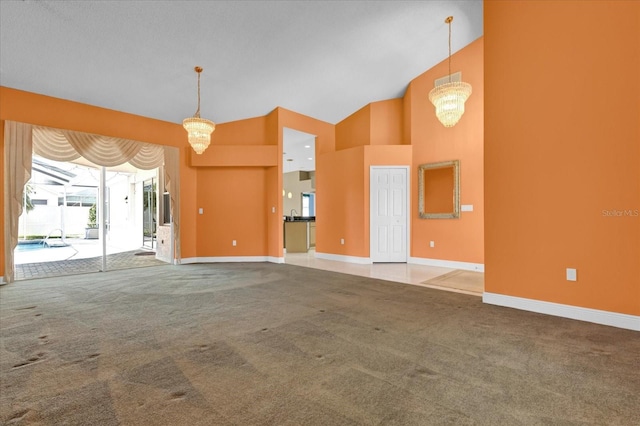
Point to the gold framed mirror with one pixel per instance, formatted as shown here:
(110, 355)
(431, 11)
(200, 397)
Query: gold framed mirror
(439, 190)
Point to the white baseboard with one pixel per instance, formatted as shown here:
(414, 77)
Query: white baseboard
(343, 258)
(274, 259)
(614, 319)
(221, 259)
(454, 264)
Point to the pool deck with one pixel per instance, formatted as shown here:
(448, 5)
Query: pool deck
(80, 257)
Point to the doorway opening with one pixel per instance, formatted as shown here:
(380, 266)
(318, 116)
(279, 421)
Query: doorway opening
(299, 192)
(59, 231)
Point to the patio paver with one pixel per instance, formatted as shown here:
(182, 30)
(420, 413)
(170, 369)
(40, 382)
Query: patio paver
(124, 260)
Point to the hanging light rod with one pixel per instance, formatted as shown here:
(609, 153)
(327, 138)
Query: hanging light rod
(199, 129)
(447, 21)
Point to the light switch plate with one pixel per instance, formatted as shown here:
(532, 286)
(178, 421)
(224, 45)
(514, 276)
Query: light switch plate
(432, 243)
(200, 210)
(572, 274)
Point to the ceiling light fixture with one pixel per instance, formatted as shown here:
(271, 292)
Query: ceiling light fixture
(449, 98)
(199, 129)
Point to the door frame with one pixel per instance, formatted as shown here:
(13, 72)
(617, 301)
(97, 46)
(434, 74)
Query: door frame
(407, 206)
(151, 197)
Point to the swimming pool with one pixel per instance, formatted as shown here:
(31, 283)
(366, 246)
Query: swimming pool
(30, 246)
(35, 252)
(33, 246)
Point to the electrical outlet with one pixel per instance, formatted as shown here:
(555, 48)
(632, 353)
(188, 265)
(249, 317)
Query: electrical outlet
(200, 210)
(273, 209)
(432, 244)
(233, 243)
(572, 274)
(342, 241)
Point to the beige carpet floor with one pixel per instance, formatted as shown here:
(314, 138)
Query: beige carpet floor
(459, 280)
(267, 344)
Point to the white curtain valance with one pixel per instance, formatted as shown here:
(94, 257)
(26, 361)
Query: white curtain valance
(53, 145)
(68, 145)
(148, 157)
(102, 150)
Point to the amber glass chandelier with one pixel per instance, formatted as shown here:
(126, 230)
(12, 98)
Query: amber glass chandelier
(199, 129)
(449, 98)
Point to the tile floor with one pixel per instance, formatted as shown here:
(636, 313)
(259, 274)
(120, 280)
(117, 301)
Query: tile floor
(398, 272)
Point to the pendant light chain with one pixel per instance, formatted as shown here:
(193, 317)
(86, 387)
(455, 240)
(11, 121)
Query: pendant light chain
(448, 22)
(199, 70)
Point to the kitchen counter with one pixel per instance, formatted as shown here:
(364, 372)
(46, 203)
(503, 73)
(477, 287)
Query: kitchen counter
(299, 234)
(299, 218)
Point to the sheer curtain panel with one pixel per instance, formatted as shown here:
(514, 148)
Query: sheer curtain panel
(18, 139)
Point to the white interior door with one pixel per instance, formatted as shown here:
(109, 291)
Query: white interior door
(389, 213)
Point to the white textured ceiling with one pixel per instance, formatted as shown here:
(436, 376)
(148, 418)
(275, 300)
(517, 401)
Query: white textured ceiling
(325, 59)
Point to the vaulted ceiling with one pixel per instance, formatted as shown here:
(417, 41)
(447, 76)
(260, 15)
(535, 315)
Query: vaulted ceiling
(325, 59)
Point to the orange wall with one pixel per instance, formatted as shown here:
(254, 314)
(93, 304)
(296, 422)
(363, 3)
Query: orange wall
(325, 132)
(243, 203)
(273, 189)
(233, 200)
(406, 117)
(43, 110)
(341, 204)
(459, 239)
(236, 155)
(252, 131)
(355, 130)
(346, 214)
(370, 136)
(378, 123)
(386, 122)
(2, 198)
(562, 109)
